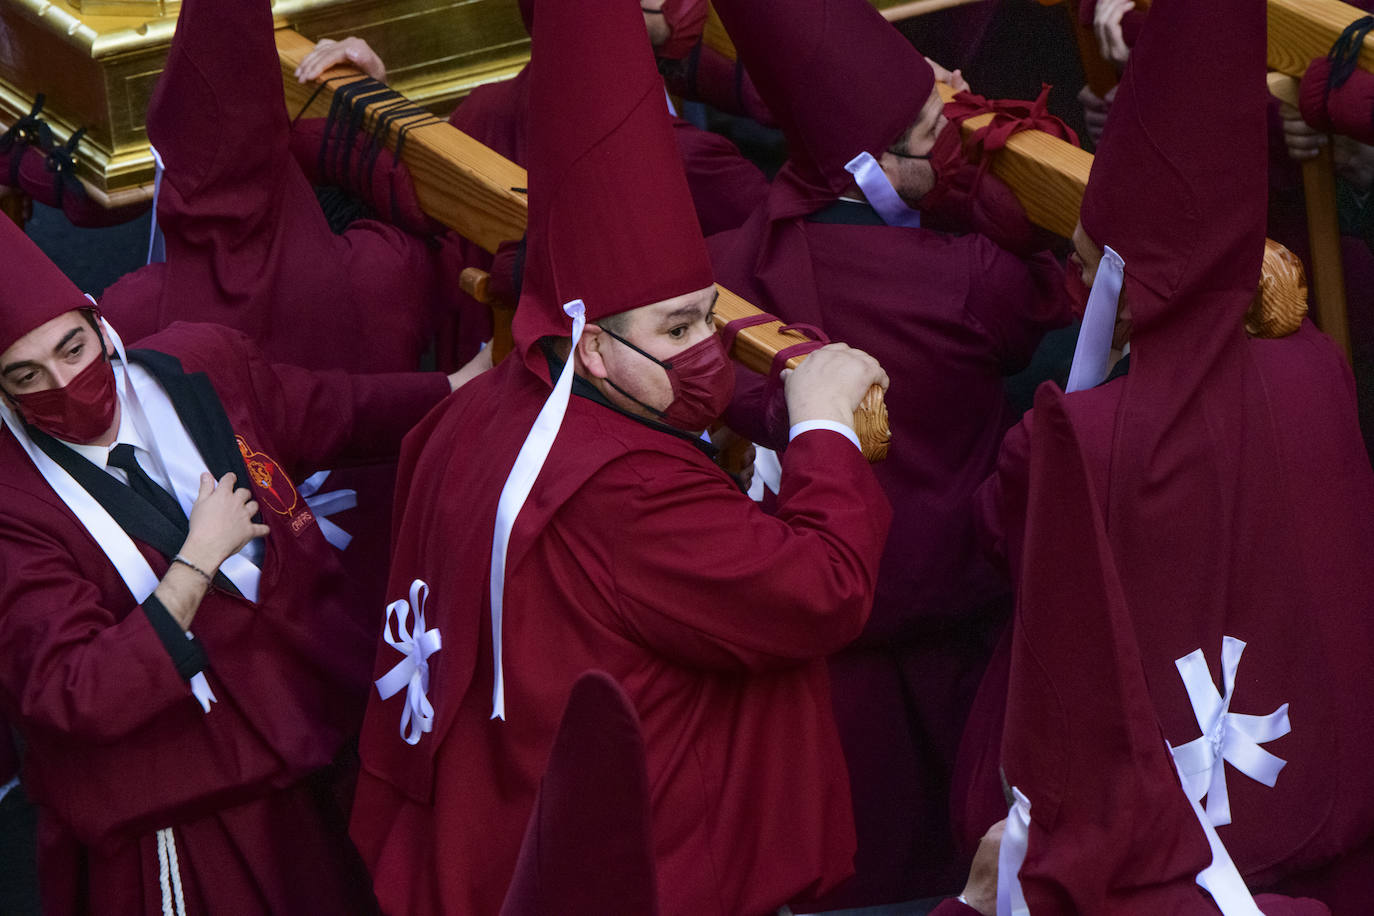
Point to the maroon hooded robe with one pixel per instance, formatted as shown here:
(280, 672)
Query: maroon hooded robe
(947, 316)
(634, 554)
(1231, 477)
(116, 747)
(1110, 828)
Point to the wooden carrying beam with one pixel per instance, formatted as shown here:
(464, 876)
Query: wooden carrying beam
(1300, 30)
(458, 181)
(480, 195)
(1046, 174)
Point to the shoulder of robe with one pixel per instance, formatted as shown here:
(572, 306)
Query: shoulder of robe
(200, 346)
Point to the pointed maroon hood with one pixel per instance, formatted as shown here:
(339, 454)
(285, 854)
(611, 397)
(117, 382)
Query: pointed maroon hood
(611, 221)
(32, 289)
(1111, 829)
(837, 77)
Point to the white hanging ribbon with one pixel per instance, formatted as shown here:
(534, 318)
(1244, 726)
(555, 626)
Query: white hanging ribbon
(323, 505)
(882, 197)
(1226, 736)
(1221, 878)
(417, 644)
(1092, 354)
(5, 789)
(1011, 855)
(157, 245)
(516, 490)
(767, 473)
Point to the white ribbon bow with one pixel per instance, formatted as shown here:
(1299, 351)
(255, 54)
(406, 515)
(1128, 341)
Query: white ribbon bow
(1011, 855)
(1226, 736)
(411, 672)
(323, 505)
(880, 193)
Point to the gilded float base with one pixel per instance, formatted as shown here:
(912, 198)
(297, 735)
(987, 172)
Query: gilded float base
(97, 61)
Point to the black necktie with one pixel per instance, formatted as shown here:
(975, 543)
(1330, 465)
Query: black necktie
(122, 457)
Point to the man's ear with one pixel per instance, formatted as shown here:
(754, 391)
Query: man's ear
(589, 351)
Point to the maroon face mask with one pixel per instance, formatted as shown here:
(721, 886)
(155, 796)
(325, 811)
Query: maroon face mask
(703, 382)
(946, 158)
(79, 412)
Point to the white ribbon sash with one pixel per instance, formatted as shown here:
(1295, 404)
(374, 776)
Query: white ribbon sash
(1011, 855)
(882, 197)
(323, 505)
(1091, 356)
(528, 463)
(1226, 736)
(180, 460)
(1221, 878)
(417, 644)
(157, 244)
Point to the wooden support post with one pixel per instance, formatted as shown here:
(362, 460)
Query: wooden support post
(1098, 72)
(476, 283)
(1323, 230)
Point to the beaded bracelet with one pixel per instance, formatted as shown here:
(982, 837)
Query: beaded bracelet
(209, 580)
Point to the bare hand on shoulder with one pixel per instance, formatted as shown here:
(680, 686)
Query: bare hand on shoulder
(221, 522)
(830, 383)
(330, 53)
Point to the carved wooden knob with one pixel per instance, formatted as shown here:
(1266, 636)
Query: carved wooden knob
(1280, 302)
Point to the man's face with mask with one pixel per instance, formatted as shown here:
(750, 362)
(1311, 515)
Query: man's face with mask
(630, 358)
(56, 376)
(912, 177)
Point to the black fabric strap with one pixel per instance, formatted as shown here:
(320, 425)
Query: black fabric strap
(847, 213)
(131, 512)
(188, 655)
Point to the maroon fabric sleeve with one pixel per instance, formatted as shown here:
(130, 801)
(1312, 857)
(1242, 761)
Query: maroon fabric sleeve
(799, 585)
(953, 907)
(70, 664)
(1016, 301)
(328, 417)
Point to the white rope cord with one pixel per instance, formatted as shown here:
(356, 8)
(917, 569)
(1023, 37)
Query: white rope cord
(169, 874)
